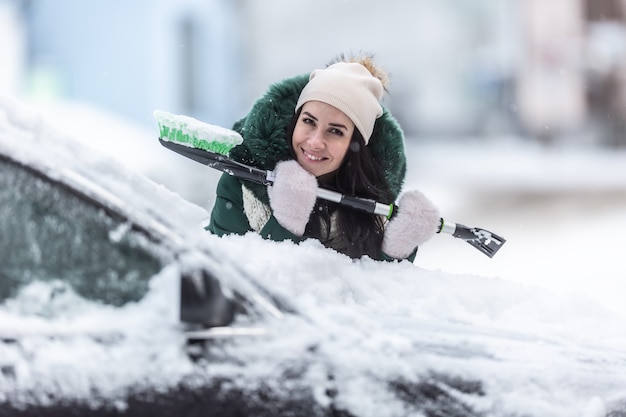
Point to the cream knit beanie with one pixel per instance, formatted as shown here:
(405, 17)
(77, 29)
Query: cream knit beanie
(351, 88)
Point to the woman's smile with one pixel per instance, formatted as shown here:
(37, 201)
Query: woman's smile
(321, 137)
(312, 157)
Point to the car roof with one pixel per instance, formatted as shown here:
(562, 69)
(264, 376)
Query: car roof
(27, 140)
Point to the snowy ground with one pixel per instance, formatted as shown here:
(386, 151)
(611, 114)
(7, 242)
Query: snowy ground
(540, 324)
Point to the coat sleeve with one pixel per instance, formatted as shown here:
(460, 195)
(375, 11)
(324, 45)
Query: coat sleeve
(228, 216)
(274, 231)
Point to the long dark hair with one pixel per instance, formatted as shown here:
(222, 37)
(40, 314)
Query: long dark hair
(355, 233)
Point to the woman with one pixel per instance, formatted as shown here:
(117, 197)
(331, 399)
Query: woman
(327, 129)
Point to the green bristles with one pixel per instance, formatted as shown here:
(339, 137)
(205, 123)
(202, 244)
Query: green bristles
(191, 132)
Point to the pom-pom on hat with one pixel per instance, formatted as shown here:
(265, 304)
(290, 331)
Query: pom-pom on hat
(350, 87)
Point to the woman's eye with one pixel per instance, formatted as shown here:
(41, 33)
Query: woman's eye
(308, 121)
(336, 131)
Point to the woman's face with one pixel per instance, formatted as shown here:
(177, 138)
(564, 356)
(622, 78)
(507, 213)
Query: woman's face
(321, 137)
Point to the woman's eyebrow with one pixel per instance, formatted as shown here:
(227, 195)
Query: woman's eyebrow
(310, 115)
(337, 125)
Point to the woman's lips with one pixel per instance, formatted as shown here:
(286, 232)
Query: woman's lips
(312, 157)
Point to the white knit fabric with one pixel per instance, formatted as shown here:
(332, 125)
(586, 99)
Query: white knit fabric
(351, 88)
(257, 213)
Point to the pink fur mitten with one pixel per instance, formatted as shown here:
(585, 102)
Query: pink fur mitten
(416, 222)
(292, 196)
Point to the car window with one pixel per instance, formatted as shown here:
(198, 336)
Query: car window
(51, 232)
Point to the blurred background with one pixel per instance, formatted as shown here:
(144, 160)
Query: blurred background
(514, 110)
(548, 71)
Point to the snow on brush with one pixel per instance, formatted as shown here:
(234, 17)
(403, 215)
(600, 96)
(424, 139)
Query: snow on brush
(535, 351)
(195, 131)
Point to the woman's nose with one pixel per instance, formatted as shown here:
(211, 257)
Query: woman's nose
(316, 140)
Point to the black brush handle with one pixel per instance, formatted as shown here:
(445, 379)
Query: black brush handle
(483, 240)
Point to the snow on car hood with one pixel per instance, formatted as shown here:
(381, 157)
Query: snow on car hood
(534, 352)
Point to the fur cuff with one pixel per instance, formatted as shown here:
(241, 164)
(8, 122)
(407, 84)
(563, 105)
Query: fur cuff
(416, 222)
(293, 195)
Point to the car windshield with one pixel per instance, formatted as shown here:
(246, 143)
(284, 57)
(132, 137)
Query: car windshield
(49, 232)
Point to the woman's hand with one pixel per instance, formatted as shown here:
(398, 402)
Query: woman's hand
(292, 196)
(417, 221)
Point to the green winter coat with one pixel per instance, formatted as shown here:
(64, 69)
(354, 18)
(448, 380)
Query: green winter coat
(242, 206)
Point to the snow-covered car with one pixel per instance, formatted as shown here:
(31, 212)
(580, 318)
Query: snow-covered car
(114, 301)
(101, 290)
(111, 303)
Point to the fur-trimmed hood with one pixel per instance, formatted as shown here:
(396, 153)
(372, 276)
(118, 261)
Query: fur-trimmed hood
(265, 144)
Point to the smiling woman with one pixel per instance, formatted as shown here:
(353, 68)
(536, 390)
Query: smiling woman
(321, 137)
(326, 129)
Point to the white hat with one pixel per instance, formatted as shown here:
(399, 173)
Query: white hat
(351, 88)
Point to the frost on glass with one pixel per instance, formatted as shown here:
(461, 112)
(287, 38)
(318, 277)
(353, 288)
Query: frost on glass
(49, 233)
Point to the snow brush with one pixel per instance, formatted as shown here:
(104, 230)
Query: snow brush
(210, 145)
